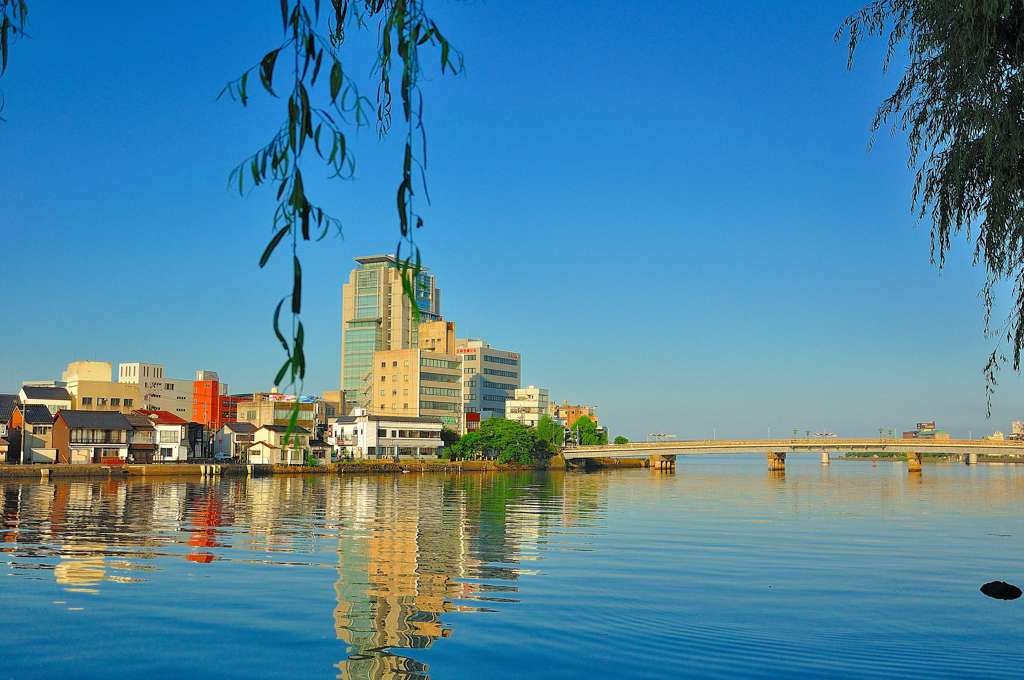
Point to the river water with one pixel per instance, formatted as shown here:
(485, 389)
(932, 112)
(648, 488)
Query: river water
(721, 569)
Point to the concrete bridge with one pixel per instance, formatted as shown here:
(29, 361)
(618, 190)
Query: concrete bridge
(662, 454)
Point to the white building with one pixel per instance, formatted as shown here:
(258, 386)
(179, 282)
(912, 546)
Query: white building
(529, 404)
(171, 436)
(233, 440)
(157, 392)
(51, 395)
(369, 436)
(490, 377)
(270, 447)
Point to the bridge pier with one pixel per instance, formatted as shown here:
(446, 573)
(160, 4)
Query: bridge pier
(824, 458)
(972, 459)
(661, 462)
(913, 461)
(777, 460)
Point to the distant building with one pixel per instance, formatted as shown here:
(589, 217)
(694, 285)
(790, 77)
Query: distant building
(171, 435)
(570, 413)
(529, 404)
(377, 315)
(232, 440)
(211, 404)
(31, 434)
(90, 436)
(421, 382)
(141, 439)
(157, 392)
(8, 402)
(378, 436)
(275, 408)
(269, 446)
(926, 430)
(53, 397)
(91, 386)
(490, 377)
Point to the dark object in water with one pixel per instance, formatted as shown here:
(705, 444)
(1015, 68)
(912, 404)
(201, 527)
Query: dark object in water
(1001, 590)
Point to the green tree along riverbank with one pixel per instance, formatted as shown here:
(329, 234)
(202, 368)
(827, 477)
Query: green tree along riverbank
(504, 440)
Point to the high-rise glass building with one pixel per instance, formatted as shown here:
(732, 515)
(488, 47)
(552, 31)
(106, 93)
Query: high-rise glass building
(376, 315)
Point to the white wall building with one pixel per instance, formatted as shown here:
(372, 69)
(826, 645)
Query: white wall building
(157, 391)
(369, 436)
(171, 436)
(529, 404)
(51, 395)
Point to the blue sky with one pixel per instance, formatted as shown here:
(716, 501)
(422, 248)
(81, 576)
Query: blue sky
(669, 209)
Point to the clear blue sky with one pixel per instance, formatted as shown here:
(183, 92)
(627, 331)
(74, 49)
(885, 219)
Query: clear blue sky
(668, 208)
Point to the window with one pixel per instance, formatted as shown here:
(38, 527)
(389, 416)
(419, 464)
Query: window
(405, 364)
(169, 437)
(383, 378)
(394, 364)
(101, 401)
(405, 405)
(382, 393)
(128, 402)
(86, 401)
(504, 374)
(383, 364)
(114, 401)
(501, 360)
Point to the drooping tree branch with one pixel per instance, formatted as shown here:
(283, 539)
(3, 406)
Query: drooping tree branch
(961, 103)
(322, 102)
(13, 18)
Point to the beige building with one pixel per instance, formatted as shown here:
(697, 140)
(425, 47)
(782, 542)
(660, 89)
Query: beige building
(490, 377)
(270, 448)
(156, 390)
(529, 404)
(275, 408)
(425, 382)
(376, 315)
(570, 413)
(91, 387)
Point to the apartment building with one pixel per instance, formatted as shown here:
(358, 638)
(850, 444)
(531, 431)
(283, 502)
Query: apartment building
(426, 381)
(570, 413)
(157, 392)
(529, 404)
(376, 315)
(490, 377)
(363, 435)
(91, 386)
(275, 408)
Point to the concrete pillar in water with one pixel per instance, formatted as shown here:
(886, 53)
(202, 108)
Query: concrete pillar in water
(44, 473)
(972, 459)
(776, 460)
(913, 461)
(824, 458)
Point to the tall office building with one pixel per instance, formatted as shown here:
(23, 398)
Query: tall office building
(156, 390)
(377, 316)
(490, 377)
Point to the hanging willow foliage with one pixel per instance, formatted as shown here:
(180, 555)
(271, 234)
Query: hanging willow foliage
(13, 17)
(961, 102)
(322, 101)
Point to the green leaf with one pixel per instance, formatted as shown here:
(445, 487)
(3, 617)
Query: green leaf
(296, 286)
(267, 70)
(277, 326)
(280, 373)
(336, 79)
(241, 89)
(269, 250)
(284, 14)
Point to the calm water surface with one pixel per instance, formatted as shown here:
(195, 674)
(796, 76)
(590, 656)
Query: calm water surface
(720, 569)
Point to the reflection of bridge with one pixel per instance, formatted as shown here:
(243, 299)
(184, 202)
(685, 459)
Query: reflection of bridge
(663, 454)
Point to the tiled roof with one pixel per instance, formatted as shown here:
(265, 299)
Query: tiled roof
(37, 414)
(162, 417)
(240, 428)
(99, 420)
(140, 422)
(284, 428)
(44, 392)
(7, 403)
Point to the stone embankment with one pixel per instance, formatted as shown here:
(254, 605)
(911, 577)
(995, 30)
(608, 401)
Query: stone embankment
(237, 470)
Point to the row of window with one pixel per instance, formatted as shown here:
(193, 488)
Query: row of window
(408, 434)
(499, 386)
(439, 363)
(440, 406)
(102, 401)
(438, 377)
(504, 374)
(501, 360)
(495, 397)
(440, 391)
(91, 436)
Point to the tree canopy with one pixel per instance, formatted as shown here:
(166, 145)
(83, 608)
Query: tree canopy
(506, 440)
(589, 434)
(550, 432)
(960, 101)
(621, 440)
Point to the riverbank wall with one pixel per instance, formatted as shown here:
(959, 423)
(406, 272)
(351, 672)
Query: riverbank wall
(236, 470)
